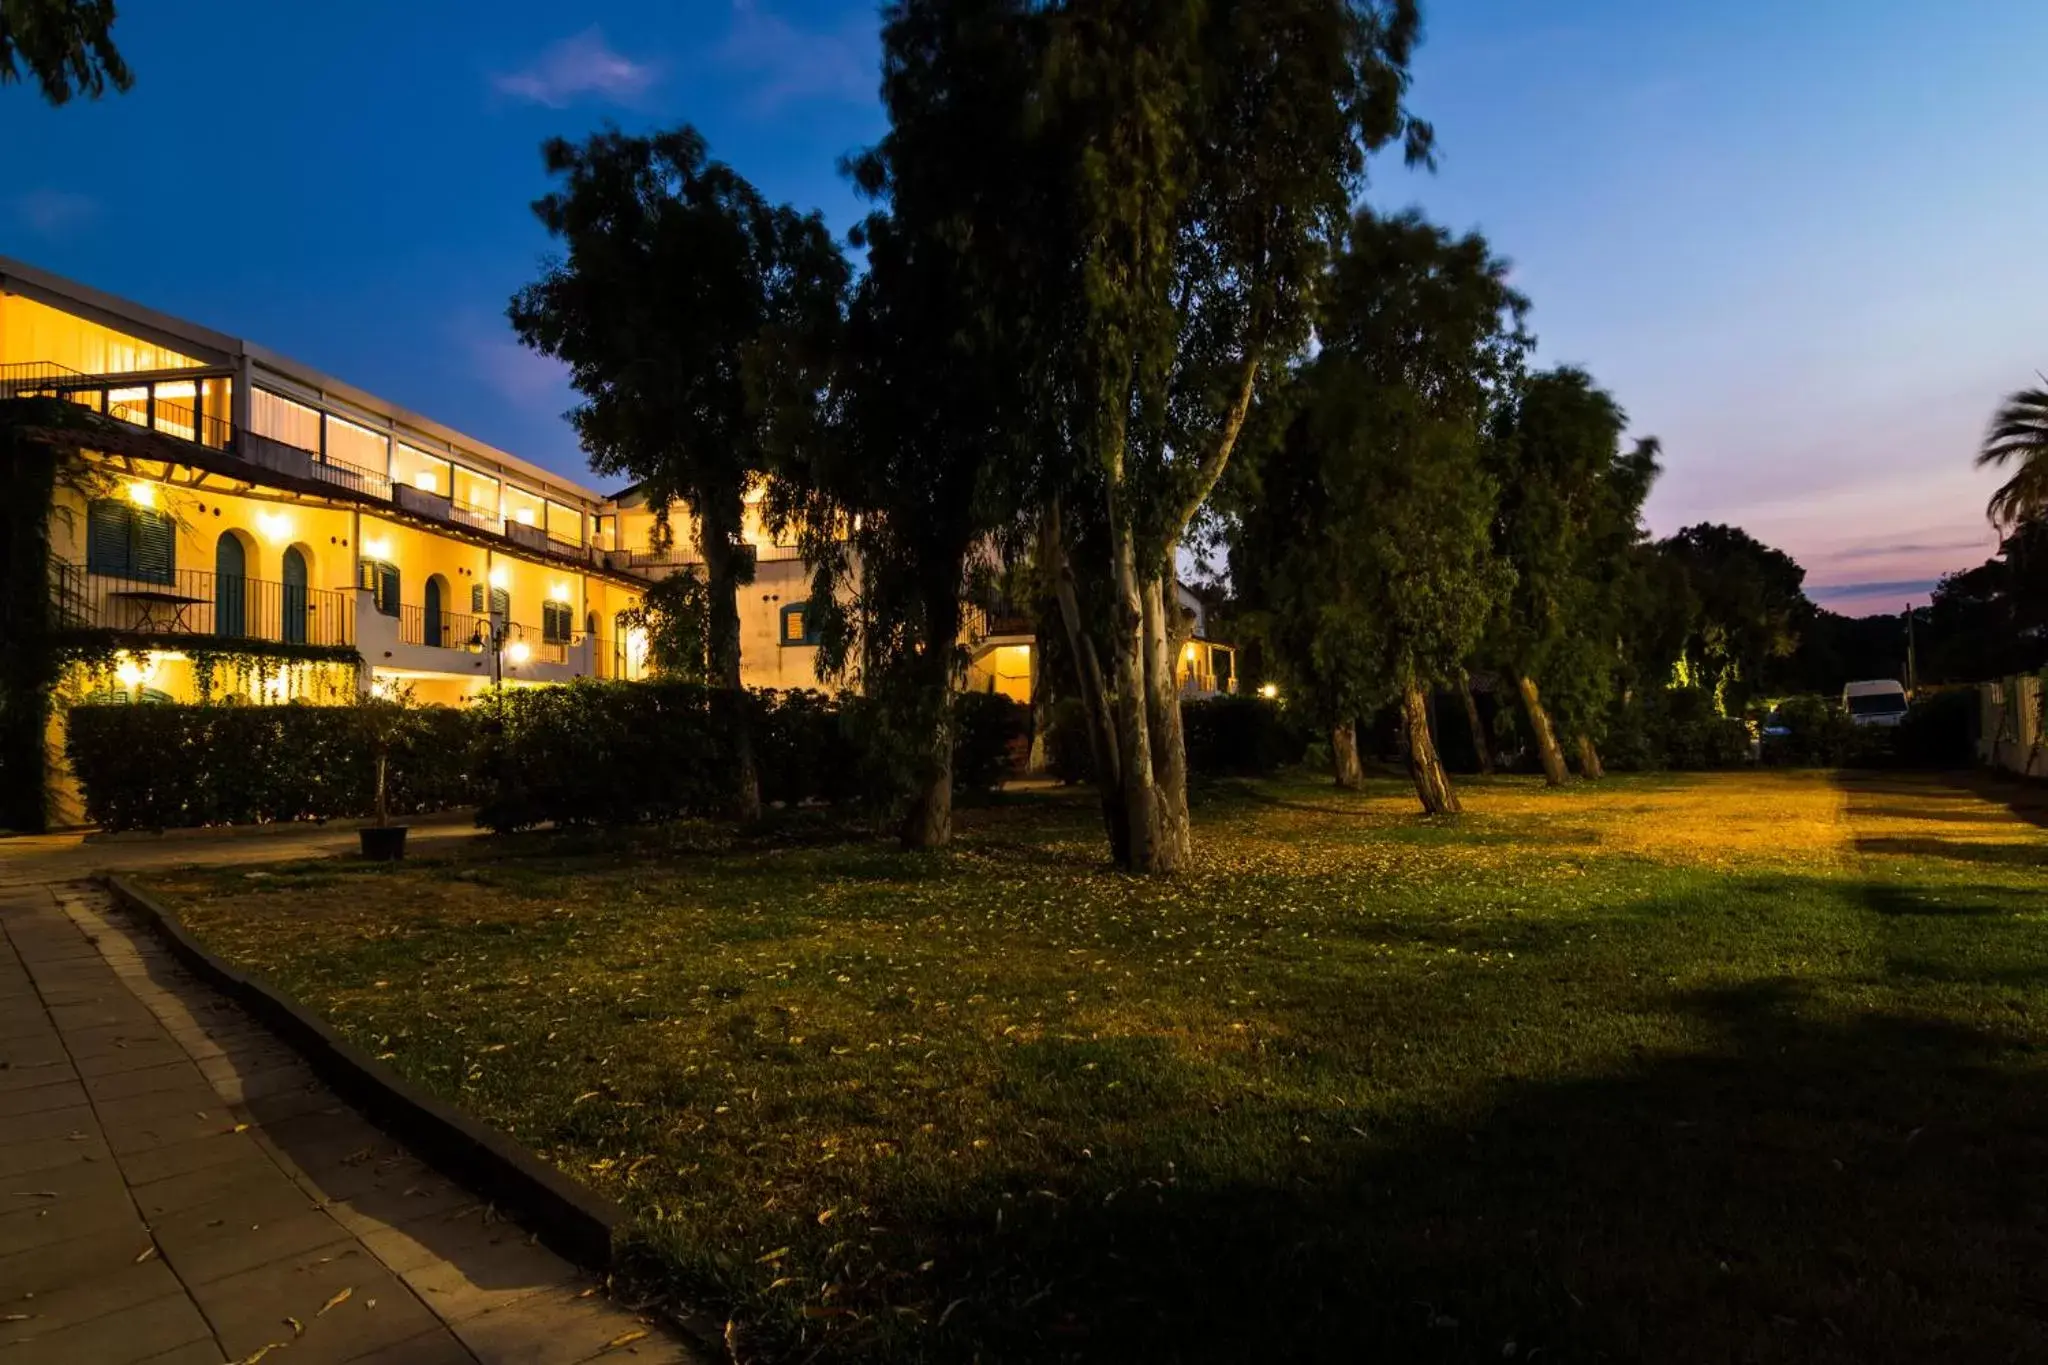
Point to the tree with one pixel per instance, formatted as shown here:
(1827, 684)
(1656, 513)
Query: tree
(1583, 679)
(675, 613)
(2018, 436)
(699, 324)
(1552, 447)
(1363, 532)
(1204, 158)
(1751, 610)
(67, 47)
(933, 437)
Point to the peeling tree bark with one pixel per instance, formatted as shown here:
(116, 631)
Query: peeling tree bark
(929, 821)
(1344, 756)
(1546, 738)
(1480, 742)
(722, 576)
(1432, 783)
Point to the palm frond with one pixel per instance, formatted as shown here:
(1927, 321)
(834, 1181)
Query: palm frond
(2018, 435)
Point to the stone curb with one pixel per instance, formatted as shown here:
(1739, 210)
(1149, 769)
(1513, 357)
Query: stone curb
(574, 1222)
(462, 817)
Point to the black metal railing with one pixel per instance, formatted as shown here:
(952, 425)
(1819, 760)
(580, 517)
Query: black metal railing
(132, 397)
(440, 629)
(200, 602)
(471, 515)
(353, 477)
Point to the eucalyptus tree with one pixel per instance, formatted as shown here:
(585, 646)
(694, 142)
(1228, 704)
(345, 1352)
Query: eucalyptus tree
(66, 46)
(699, 324)
(1203, 158)
(904, 509)
(1551, 447)
(1362, 535)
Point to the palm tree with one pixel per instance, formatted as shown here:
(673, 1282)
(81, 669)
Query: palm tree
(2019, 433)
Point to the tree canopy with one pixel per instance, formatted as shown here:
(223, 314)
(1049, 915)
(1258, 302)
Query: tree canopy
(65, 46)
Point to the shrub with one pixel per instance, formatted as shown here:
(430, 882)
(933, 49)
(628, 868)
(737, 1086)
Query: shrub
(1821, 735)
(1674, 728)
(988, 729)
(1239, 736)
(166, 766)
(1940, 730)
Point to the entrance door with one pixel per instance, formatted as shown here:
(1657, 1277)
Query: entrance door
(295, 600)
(431, 625)
(230, 587)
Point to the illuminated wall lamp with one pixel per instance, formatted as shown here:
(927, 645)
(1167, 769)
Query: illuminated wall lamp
(142, 494)
(518, 652)
(275, 526)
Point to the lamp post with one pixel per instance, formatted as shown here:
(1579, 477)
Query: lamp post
(500, 638)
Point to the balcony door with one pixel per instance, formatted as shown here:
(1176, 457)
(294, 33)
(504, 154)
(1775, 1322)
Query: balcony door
(295, 600)
(432, 631)
(230, 586)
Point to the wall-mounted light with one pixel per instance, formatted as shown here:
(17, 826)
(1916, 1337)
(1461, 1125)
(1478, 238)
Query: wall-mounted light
(518, 652)
(142, 494)
(133, 672)
(1270, 691)
(559, 591)
(426, 482)
(500, 578)
(378, 548)
(275, 526)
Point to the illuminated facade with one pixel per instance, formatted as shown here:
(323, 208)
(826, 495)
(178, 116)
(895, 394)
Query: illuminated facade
(250, 528)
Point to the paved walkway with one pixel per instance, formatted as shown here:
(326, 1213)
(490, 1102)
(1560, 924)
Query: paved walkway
(176, 1188)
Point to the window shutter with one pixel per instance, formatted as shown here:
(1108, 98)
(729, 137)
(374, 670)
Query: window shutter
(156, 547)
(387, 589)
(106, 538)
(501, 603)
(476, 599)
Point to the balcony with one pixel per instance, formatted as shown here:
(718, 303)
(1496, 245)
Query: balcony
(199, 602)
(449, 642)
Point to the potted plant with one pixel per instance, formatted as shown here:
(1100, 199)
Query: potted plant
(388, 719)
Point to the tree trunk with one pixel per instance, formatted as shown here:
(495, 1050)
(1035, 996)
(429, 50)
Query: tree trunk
(1589, 759)
(1089, 681)
(725, 569)
(1128, 697)
(1546, 738)
(1479, 740)
(1175, 834)
(1432, 783)
(1344, 755)
(929, 822)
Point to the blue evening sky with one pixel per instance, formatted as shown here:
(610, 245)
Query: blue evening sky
(1801, 242)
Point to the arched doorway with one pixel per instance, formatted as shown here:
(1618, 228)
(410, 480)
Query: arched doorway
(434, 622)
(230, 586)
(296, 601)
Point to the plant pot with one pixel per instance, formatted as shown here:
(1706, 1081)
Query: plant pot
(383, 843)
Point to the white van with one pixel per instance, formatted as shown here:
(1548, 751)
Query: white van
(1880, 702)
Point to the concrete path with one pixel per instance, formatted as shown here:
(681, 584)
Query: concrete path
(177, 1189)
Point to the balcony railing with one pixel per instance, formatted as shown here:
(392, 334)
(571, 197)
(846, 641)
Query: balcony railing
(461, 631)
(132, 397)
(201, 603)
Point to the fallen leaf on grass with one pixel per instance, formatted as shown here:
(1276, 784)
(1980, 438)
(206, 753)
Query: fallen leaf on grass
(773, 1256)
(298, 1328)
(337, 1301)
(626, 1338)
(239, 1128)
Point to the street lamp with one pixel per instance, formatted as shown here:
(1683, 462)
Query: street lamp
(501, 639)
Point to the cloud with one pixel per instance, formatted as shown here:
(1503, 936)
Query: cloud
(576, 68)
(793, 64)
(52, 213)
(1935, 548)
(523, 377)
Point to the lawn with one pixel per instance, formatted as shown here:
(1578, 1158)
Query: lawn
(1739, 1067)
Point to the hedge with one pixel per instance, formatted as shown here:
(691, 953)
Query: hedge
(1226, 736)
(165, 766)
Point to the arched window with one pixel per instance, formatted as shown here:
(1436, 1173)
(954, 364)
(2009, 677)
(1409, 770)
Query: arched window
(434, 614)
(230, 586)
(296, 602)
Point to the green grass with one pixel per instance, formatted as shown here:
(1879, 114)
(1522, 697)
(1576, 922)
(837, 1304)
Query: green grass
(1745, 1067)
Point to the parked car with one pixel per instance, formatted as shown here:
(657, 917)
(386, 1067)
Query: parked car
(1880, 702)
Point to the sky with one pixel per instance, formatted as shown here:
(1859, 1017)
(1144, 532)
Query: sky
(1800, 243)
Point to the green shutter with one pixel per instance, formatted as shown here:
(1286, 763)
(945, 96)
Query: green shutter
(476, 599)
(156, 547)
(387, 589)
(106, 538)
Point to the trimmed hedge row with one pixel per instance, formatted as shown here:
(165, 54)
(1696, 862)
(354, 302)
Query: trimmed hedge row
(163, 767)
(587, 753)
